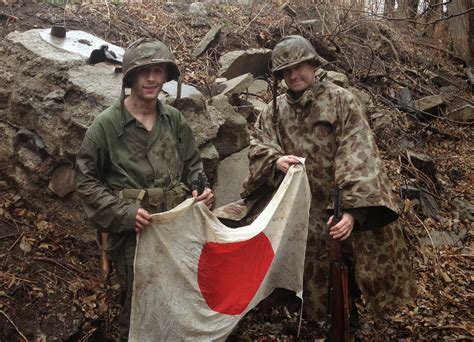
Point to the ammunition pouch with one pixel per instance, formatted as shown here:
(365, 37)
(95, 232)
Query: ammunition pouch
(156, 199)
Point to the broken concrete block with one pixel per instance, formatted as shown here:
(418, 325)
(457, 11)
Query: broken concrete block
(231, 173)
(236, 63)
(98, 79)
(244, 107)
(440, 238)
(209, 39)
(431, 104)
(235, 85)
(170, 89)
(210, 158)
(258, 86)
(464, 114)
(233, 135)
(62, 180)
(204, 122)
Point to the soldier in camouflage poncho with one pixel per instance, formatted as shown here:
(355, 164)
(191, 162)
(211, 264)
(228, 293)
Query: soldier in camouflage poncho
(326, 125)
(138, 156)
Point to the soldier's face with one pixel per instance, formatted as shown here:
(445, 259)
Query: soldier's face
(299, 77)
(148, 81)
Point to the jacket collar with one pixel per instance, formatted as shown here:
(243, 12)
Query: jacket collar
(126, 117)
(309, 94)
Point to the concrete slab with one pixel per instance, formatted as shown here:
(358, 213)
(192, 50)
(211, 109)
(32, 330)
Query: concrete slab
(79, 42)
(231, 174)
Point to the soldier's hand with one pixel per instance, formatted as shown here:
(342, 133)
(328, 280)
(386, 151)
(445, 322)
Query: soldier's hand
(142, 220)
(284, 163)
(207, 197)
(343, 229)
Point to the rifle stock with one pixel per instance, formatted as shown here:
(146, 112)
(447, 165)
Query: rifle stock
(338, 287)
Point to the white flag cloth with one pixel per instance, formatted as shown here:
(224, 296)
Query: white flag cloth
(196, 278)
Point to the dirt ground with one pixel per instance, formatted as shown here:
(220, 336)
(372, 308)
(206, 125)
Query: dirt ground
(50, 282)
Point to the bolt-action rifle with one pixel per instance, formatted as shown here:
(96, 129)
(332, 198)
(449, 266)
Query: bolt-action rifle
(338, 289)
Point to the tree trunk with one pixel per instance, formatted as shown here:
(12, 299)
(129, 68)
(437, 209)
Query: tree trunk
(408, 8)
(389, 8)
(461, 29)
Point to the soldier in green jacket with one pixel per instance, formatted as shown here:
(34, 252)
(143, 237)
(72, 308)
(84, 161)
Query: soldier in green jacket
(326, 124)
(138, 157)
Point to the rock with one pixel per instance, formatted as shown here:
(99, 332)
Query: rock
(198, 9)
(437, 79)
(442, 238)
(244, 107)
(448, 89)
(257, 104)
(56, 95)
(7, 140)
(4, 98)
(466, 210)
(62, 180)
(258, 86)
(76, 47)
(170, 89)
(235, 85)
(31, 160)
(380, 121)
(364, 98)
(422, 162)
(430, 104)
(231, 173)
(209, 39)
(463, 114)
(97, 80)
(419, 196)
(338, 78)
(203, 120)
(404, 97)
(32, 41)
(236, 63)
(233, 135)
(428, 204)
(210, 158)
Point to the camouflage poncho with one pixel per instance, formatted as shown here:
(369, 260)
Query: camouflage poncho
(328, 127)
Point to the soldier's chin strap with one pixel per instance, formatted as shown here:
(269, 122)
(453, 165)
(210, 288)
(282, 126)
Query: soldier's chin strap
(274, 99)
(178, 88)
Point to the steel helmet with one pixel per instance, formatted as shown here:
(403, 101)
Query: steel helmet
(146, 51)
(290, 51)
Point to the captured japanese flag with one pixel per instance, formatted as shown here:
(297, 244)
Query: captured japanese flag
(195, 278)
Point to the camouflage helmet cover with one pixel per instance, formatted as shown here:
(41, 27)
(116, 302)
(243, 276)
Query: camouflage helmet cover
(290, 51)
(144, 52)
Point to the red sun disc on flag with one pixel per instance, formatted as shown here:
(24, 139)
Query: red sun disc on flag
(229, 274)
